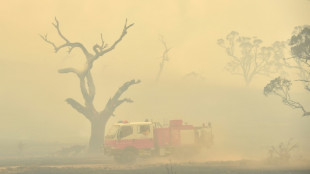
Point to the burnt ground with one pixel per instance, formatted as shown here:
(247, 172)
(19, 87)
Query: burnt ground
(95, 165)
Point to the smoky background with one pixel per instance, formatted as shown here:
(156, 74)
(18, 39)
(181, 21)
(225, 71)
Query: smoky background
(245, 122)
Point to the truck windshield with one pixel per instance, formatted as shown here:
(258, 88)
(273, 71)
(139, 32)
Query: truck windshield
(125, 131)
(112, 132)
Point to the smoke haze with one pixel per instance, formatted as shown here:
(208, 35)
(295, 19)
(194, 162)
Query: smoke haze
(245, 122)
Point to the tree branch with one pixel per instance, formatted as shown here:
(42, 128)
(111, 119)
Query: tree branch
(78, 107)
(67, 42)
(303, 80)
(99, 48)
(114, 102)
(49, 42)
(70, 70)
(306, 114)
(102, 52)
(84, 91)
(91, 86)
(165, 57)
(282, 85)
(56, 25)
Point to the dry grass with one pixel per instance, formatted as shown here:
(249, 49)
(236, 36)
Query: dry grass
(97, 165)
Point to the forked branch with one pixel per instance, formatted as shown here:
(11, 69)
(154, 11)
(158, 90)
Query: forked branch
(100, 50)
(78, 107)
(70, 45)
(115, 101)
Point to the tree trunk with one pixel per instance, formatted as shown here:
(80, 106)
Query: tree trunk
(97, 135)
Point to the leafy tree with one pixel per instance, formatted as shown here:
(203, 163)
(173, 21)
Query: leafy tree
(281, 87)
(300, 51)
(97, 118)
(249, 58)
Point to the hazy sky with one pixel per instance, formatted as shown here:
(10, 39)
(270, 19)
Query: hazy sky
(32, 93)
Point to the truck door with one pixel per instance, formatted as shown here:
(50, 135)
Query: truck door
(124, 137)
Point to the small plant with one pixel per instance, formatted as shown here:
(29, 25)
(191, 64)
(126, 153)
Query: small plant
(21, 147)
(282, 153)
(71, 151)
(169, 168)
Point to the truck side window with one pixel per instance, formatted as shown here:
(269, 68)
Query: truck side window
(144, 129)
(125, 131)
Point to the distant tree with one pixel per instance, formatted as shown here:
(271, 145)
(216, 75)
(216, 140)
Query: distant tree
(98, 119)
(194, 75)
(300, 51)
(164, 57)
(249, 58)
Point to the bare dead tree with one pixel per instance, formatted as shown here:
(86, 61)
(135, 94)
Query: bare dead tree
(164, 57)
(281, 87)
(97, 118)
(248, 57)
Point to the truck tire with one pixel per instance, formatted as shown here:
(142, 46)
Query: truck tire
(127, 156)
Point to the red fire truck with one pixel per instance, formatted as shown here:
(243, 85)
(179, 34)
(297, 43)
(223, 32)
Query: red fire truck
(128, 140)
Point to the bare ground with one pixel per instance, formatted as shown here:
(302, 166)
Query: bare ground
(103, 165)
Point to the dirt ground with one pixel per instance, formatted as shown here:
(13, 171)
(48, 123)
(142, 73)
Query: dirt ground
(97, 165)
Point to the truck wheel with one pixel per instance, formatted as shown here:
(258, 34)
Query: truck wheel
(126, 157)
(118, 158)
(130, 156)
